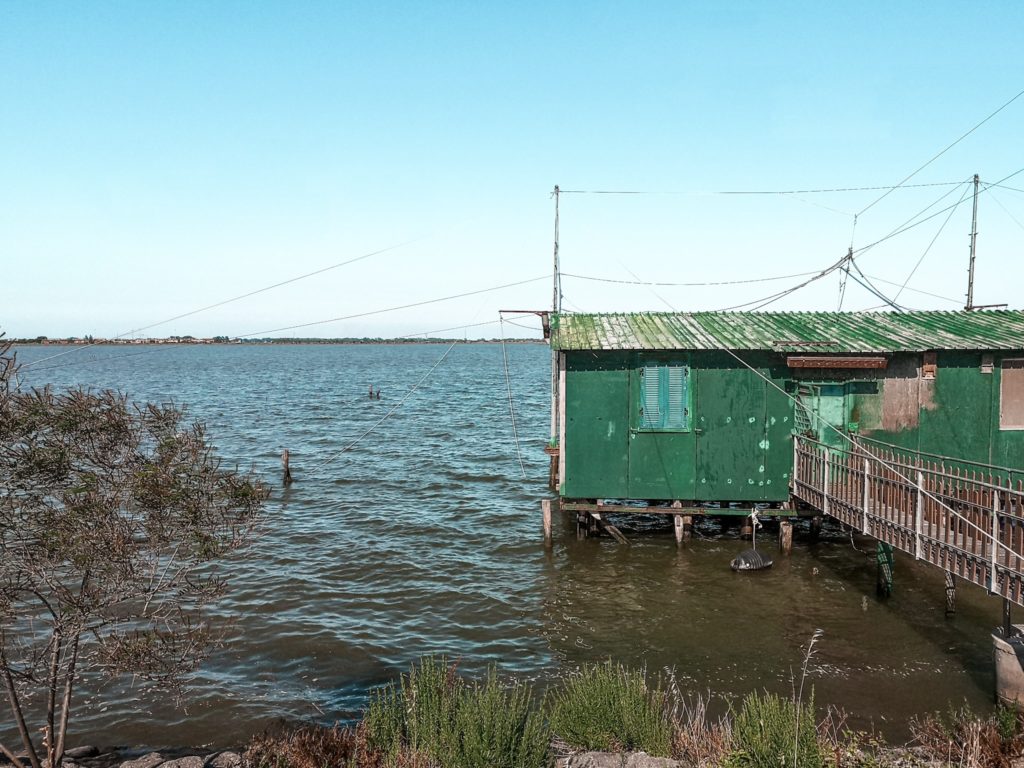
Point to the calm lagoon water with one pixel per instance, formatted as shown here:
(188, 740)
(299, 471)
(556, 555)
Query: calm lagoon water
(425, 537)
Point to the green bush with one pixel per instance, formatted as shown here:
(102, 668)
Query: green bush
(499, 726)
(433, 714)
(609, 707)
(769, 731)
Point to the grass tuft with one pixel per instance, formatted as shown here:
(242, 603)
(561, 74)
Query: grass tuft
(766, 729)
(609, 707)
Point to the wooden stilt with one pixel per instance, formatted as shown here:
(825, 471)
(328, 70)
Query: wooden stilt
(885, 569)
(677, 521)
(815, 527)
(1007, 618)
(950, 594)
(287, 469)
(545, 509)
(786, 536)
(747, 529)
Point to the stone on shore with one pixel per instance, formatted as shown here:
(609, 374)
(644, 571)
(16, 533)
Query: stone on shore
(192, 761)
(226, 759)
(618, 760)
(151, 760)
(77, 753)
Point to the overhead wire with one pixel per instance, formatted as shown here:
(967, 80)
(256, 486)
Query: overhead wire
(930, 244)
(686, 284)
(511, 406)
(352, 444)
(941, 153)
(393, 309)
(231, 300)
(699, 193)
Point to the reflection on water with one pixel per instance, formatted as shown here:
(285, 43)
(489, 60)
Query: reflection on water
(426, 538)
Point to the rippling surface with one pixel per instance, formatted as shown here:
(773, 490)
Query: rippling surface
(425, 537)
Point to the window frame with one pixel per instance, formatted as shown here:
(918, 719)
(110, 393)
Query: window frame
(664, 368)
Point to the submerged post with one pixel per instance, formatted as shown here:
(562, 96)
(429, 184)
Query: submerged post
(950, 594)
(786, 536)
(287, 469)
(545, 509)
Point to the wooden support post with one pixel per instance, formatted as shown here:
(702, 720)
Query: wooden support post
(825, 485)
(815, 527)
(582, 523)
(993, 579)
(950, 594)
(683, 525)
(545, 509)
(867, 497)
(786, 536)
(919, 516)
(747, 528)
(286, 467)
(1007, 618)
(883, 555)
(553, 472)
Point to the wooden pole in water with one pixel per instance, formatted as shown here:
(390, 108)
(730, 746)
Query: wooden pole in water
(545, 508)
(287, 469)
(786, 536)
(950, 594)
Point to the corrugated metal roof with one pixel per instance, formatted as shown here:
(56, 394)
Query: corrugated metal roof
(791, 331)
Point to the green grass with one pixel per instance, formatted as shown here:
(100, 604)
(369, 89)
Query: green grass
(433, 714)
(770, 731)
(609, 707)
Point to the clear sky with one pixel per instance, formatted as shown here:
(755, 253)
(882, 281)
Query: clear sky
(158, 157)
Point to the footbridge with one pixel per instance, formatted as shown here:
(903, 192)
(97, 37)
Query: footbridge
(966, 519)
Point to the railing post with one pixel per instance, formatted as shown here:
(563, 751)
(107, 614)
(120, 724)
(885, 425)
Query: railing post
(824, 498)
(919, 515)
(796, 464)
(867, 495)
(993, 582)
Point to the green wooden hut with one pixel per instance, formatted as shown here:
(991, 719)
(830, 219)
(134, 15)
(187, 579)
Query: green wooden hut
(701, 407)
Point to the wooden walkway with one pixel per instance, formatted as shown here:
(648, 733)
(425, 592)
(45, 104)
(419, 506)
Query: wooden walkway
(968, 521)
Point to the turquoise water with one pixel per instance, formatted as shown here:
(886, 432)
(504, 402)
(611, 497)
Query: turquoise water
(425, 537)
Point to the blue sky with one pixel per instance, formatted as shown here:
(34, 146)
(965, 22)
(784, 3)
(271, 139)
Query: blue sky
(161, 157)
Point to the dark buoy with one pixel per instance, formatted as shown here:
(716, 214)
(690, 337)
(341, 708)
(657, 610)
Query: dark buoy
(287, 469)
(751, 560)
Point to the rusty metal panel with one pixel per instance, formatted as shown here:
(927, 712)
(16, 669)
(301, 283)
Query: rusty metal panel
(835, 361)
(901, 396)
(1011, 395)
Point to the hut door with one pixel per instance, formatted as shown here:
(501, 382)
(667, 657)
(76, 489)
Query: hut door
(731, 441)
(822, 410)
(661, 429)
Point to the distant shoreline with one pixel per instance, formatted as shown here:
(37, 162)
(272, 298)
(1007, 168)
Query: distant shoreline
(189, 341)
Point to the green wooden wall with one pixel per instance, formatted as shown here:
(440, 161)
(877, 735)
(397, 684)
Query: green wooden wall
(738, 442)
(737, 445)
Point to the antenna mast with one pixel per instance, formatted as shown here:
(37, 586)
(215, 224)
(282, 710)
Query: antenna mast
(974, 243)
(556, 305)
(556, 298)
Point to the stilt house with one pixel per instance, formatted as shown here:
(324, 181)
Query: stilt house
(701, 408)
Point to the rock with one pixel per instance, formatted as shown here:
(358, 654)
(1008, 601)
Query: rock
(192, 761)
(224, 760)
(152, 760)
(79, 752)
(617, 760)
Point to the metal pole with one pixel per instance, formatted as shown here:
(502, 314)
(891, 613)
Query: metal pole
(974, 241)
(555, 306)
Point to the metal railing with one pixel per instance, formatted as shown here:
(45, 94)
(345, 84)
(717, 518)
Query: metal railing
(965, 521)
